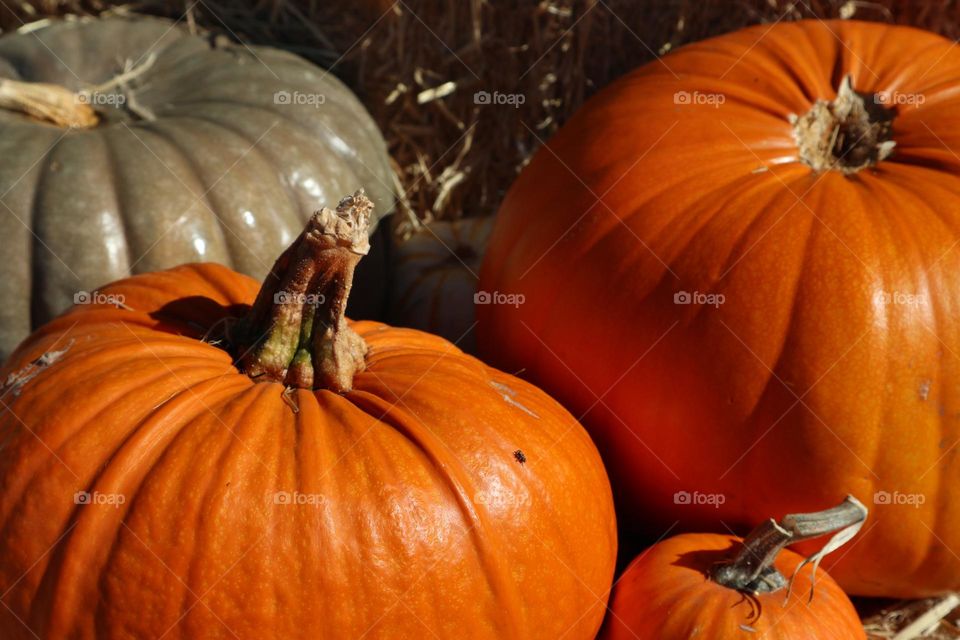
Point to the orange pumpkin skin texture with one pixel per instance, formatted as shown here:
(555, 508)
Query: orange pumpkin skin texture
(421, 519)
(665, 595)
(806, 379)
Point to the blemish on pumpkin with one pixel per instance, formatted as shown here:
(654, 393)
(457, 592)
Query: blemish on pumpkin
(925, 388)
(747, 628)
(520, 456)
(18, 379)
(508, 395)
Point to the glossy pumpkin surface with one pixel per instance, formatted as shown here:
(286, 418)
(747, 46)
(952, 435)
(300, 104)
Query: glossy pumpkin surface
(219, 507)
(665, 594)
(212, 151)
(729, 322)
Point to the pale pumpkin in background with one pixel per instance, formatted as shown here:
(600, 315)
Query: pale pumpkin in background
(434, 276)
(741, 266)
(192, 148)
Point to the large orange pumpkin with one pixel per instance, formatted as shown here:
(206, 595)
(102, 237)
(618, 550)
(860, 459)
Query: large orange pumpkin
(361, 481)
(750, 294)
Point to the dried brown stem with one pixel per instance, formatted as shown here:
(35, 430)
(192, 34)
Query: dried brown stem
(47, 102)
(753, 568)
(848, 134)
(296, 331)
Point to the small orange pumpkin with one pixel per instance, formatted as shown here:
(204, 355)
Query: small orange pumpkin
(719, 587)
(178, 464)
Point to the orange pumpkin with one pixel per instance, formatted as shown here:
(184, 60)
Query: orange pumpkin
(739, 275)
(703, 585)
(348, 480)
(666, 594)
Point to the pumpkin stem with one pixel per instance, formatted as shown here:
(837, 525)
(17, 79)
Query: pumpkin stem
(296, 327)
(48, 102)
(752, 569)
(849, 133)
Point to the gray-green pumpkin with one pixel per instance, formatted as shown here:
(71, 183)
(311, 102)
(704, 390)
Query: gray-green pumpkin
(204, 150)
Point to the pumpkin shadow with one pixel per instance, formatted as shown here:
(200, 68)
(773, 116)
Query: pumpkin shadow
(196, 316)
(703, 562)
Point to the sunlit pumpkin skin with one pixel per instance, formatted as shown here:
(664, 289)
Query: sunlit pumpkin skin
(216, 153)
(831, 363)
(434, 276)
(666, 594)
(439, 497)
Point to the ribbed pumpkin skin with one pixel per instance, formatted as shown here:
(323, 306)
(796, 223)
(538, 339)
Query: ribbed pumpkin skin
(427, 520)
(802, 385)
(665, 595)
(434, 279)
(223, 173)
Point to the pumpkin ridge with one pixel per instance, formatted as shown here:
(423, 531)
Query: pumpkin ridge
(83, 358)
(201, 194)
(703, 216)
(927, 159)
(900, 184)
(793, 280)
(944, 434)
(27, 179)
(221, 285)
(293, 197)
(37, 316)
(351, 153)
(362, 173)
(802, 69)
(144, 244)
(251, 401)
(940, 470)
(216, 398)
(435, 307)
(636, 205)
(876, 235)
(945, 90)
(454, 475)
(776, 377)
(738, 246)
(91, 530)
(53, 571)
(320, 149)
(379, 354)
(26, 477)
(116, 211)
(322, 133)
